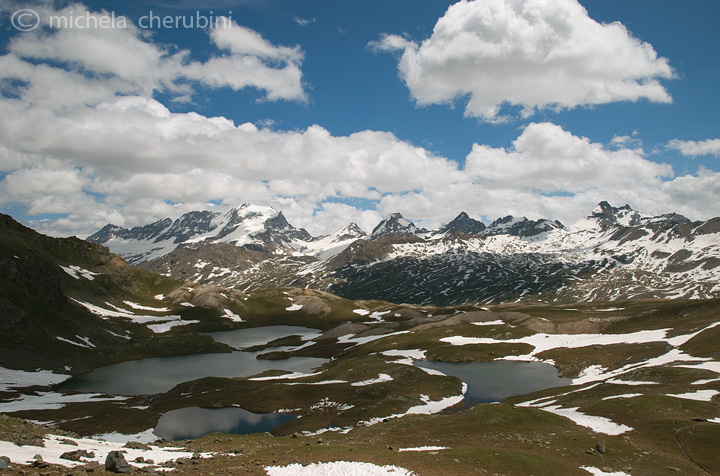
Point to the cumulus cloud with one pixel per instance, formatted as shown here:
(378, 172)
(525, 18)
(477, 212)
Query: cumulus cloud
(78, 66)
(532, 54)
(548, 172)
(690, 148)
(549, 159)
(86, 139)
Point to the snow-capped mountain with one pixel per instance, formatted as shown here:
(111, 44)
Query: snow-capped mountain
(395, 224)
(613, 253)
(254, 227)
(522, 227)
(461, 223)
(327, 246)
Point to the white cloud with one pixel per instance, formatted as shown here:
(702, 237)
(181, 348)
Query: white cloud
(79, 66)
(535, 54)
(304, 21)
(550, 173)
(691, 148)
(85, 138)
(549, 159)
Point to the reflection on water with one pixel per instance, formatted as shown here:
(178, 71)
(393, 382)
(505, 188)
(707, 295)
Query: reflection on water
(242, 338)
(494, 381)
(160, 374)
(193, 422)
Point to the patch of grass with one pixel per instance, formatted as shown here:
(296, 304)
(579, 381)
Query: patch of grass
(700, 442)
(476, 352)
(705, 344)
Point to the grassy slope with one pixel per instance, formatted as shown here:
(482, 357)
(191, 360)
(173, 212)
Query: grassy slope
(501, 438)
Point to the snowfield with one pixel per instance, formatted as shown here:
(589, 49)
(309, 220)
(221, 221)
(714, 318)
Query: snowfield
(56, 446)
(337, 468)
(11, 379)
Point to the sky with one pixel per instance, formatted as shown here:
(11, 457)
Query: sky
(127, 112)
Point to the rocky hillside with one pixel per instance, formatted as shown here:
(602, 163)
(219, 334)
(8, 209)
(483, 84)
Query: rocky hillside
(614, 253)
(67, 305)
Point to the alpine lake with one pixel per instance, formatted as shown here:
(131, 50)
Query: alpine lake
(487, 382)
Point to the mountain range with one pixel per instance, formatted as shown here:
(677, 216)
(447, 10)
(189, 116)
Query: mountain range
(613, 253)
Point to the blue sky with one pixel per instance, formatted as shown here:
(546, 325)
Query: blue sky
(357, 136)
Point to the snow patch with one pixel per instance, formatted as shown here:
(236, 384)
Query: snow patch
(294, 307)
(380, 379)
(497, 322)
(597, 424)
(424, 448)
(337, 468)
(85, 342)
(52, 401)
(626, 395)
(232, 316)
(140, 307)
(428, 407)
(599, 472)
(699, 395)
(54, 448)
(77, 272)
(11, 379)
(166, 326)
(293, 375)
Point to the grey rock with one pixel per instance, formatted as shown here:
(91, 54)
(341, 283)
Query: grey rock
(77, 455)
(601, 447)
(4, 462)
(115, 463)
(134, 445)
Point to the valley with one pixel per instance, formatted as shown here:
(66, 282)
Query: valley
(634, 388)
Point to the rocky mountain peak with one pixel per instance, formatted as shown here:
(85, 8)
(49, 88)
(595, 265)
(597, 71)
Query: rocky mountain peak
(349, 232)
(145, 232)
(607, 216)
(395, 224)
(522, 227)
(463, 223)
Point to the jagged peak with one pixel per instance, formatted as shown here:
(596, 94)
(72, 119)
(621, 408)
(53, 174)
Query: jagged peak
(352, 228)
(394, 224)
(463, 223)
(607, 216)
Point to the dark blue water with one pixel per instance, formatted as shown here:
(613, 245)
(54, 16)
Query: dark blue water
(242, 338)
(194, 422)
(490, 382)
(160, 374)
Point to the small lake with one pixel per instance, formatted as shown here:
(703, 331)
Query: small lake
(494, 381)
(160, 374)
(242, 338)
(194, 422)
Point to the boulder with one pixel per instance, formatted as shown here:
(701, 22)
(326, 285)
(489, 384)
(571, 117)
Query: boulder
(116, 463)
(135, 445)
(76, 455)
